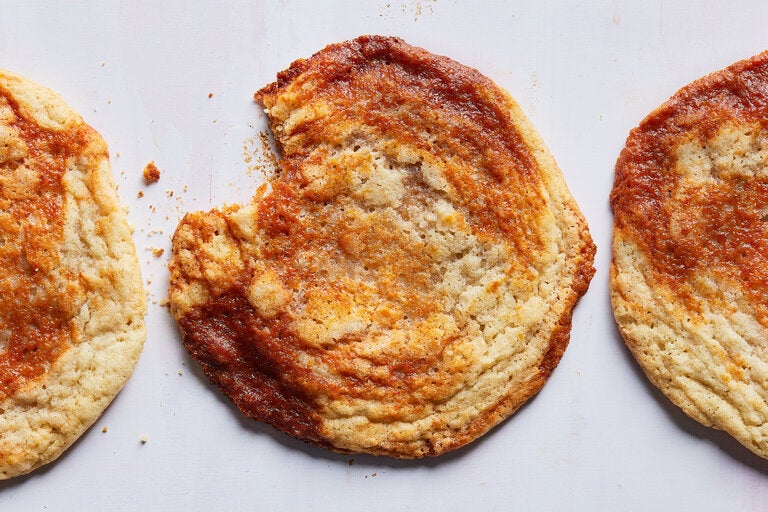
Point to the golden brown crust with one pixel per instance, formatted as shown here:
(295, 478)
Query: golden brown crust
(407, 281)
(690, 275)
(71, 301)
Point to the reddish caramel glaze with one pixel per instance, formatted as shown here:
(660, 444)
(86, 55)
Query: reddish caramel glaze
(723, 229)
(34, 315)
(250, 361)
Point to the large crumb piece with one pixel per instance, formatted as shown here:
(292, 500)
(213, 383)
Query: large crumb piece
(151, 173)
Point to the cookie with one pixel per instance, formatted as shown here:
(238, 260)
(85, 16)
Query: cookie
(71, 298)
(406, 281)
(689, 277)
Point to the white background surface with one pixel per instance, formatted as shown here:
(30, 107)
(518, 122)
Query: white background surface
(596, 438)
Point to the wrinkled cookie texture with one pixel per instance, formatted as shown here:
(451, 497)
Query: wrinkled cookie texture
(689, 278)
(71, 298)
(406, 281)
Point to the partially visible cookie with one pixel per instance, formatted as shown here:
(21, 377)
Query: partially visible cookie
(407, 280)
(689, 278)
(71, 300)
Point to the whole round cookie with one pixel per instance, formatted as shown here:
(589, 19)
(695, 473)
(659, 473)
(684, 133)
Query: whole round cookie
(689, 278)
(71, 298)
(407, 280)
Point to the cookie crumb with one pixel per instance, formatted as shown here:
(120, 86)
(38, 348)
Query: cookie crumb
(139, 194)
(210, 95)
(164, 302)
(351, 461)
(151, 173)
(144, 439)
(158, 252)
(180, 372)
(104, 430)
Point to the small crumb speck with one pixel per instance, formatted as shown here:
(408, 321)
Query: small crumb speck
(144, 439)
(139, 194)
(104, 430)
(210, 95)
(180, 372)
(158, 252)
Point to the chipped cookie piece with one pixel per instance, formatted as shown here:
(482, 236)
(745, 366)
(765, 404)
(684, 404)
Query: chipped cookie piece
(407, 280)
